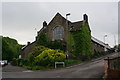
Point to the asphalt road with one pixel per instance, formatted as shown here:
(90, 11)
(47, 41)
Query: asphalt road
(90, 69)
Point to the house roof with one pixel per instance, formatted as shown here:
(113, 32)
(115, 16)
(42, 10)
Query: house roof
(28, 45)
(76, 25)
(100, 42)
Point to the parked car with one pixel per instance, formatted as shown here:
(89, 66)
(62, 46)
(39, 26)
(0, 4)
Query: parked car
(3, 62)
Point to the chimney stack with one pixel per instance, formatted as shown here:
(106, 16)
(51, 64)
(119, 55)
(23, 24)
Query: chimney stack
(85, 18)
(28, 43)
(44, 24)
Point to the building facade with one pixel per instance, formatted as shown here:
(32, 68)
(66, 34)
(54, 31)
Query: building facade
(58, 29)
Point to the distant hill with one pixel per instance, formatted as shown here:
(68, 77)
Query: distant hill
(10, 48)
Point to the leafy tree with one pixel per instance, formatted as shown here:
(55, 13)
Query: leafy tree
(10, 48)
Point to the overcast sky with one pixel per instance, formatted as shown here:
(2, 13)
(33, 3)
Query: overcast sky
(19, 19)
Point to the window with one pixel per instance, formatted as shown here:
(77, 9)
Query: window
(58, 33)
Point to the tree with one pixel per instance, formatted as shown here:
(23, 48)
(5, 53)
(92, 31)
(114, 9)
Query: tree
(10, 48)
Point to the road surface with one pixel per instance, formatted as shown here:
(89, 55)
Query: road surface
(90, 69)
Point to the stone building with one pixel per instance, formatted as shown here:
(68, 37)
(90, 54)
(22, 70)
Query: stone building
(58, 28)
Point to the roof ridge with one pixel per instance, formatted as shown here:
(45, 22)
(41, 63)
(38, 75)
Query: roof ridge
(77, 21)
(98, 39)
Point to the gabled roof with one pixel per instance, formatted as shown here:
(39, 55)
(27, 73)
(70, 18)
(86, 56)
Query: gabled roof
(58, 14)
(74, 26)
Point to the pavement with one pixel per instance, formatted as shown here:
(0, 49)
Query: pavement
(89, 69)
(10, 68)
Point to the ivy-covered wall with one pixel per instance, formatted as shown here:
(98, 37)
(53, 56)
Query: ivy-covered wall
(79, 42)
(43, 40)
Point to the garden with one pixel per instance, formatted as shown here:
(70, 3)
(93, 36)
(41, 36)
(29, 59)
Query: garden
(43, 58)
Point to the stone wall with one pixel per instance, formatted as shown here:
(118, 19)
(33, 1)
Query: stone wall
(57, 21)
(96, 48)
(27, 49)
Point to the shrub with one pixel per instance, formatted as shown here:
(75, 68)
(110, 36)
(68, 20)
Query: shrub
(31, 59)
(19, 62)
(14, 62)
(57, 44)
(49, 57)
(38, 49)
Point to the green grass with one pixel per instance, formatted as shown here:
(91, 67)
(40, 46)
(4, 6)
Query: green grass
(70, 62)
(35, 67)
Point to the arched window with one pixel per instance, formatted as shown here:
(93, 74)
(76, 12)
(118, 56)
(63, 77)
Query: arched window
(58, 33)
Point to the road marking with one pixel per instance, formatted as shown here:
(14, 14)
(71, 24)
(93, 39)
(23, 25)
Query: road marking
(27, 71)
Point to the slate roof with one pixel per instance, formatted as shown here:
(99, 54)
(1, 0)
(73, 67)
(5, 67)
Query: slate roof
(100, 42)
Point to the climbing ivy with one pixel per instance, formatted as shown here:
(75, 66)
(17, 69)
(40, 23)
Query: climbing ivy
(43, 40)
(79, 42)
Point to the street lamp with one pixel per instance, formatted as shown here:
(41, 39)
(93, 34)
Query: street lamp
(104, 43)
(104, 37)
(115, 40)
(67, 30)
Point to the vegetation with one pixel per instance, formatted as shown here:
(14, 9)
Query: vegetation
(70, 62)
(39, 58)
(19, 62)
(79, 42)
(43, 40)
(10, 48)
(57, 44)
(117, 47)
(38, 50)
(49, 57)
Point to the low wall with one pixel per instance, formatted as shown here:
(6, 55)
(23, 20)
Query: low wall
(112, 67)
